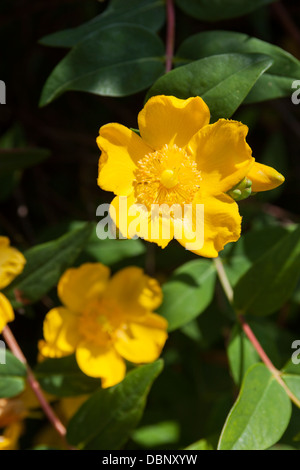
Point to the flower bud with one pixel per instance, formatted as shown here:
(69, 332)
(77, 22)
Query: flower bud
(242, 190)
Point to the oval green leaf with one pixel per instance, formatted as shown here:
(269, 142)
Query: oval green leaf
(45, 264)
(260, 415)
(147, 13)
(248, 249)
(63, 378)
(12, 376)
(188, 292)
(216, 10)
(275, 83)
(107, 418)
(118, 61)
(223, 81)
(270, 281)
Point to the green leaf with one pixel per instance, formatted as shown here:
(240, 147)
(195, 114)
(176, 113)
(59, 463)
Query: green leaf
(188, 292)
(159, 434)
(18, 159)
(45, 265)
(275, 342)
(269, 283)
(63, 378)
(147, 13)
(293, 383)
(260, 415)
(108, 251)
(12, 376)
(117, 61)
(241, 355)
(275, 83)
(216, 10)
(223, 81)
(248, 249)
(203, 444)
(293, 368)
(111, 251)
(107, 418)
(291, 372)
(44, 447)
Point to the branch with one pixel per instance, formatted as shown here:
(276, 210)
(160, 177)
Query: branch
(249, 333)
(170, 40)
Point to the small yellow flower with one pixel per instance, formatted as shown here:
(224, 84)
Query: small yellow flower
(11, 265)
(180, 159)
(105, 321)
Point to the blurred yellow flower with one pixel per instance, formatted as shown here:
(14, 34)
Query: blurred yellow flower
(11, 265)
(12, 413)
(105, 321)
(180, 159)
(10, 437)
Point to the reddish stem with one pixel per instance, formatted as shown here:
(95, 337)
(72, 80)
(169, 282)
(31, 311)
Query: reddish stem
(249, 333)
(170, 40)
(16, 350)
(256, 344)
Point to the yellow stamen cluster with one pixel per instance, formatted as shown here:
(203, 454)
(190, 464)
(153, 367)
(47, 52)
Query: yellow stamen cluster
(167, 176)
(100, 321)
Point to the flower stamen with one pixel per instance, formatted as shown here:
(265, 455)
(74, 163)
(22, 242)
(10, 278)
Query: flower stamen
(167, 176)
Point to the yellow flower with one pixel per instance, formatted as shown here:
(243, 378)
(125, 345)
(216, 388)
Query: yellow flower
(180, 159)
(12, 413)
(11, 265)
(105, 321)
(10, 437)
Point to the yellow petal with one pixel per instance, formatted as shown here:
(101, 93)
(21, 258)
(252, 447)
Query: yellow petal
(134, 290)
(78, 286)
(11, 262)
(142, 342)
(134, 219)
(222, 154)
(170, 120)
(222, 224)
(10, 437)
(121, 149)
(101, 361)
(61, 330)
(47, 350)
(6, 312)
(264, 177)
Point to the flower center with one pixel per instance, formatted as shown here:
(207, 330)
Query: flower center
(100, 321)
(168, 179)
(167, 176)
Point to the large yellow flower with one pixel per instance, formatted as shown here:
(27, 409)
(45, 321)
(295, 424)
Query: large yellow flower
(180, 159)
(105, 321)
(11, 265)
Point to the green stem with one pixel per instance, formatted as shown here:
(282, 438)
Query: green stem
(249, 333)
